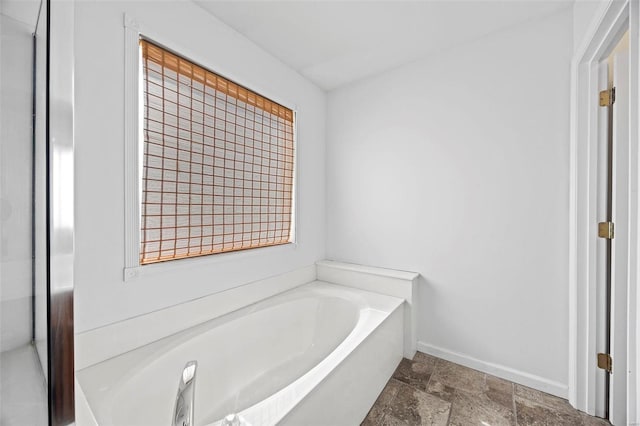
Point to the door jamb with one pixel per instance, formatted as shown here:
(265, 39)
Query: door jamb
(602, 33)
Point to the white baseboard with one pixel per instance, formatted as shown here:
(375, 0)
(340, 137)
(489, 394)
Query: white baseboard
(507, 373)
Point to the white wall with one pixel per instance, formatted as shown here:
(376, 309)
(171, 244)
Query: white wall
(457, 167)
(15, 182)
(101, 296)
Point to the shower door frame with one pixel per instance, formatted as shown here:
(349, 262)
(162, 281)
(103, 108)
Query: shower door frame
(60, 210)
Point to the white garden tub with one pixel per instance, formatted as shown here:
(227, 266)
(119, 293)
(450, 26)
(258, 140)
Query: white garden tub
(318, 354)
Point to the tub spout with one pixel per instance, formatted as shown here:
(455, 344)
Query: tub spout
(231, 420)
(183, 410)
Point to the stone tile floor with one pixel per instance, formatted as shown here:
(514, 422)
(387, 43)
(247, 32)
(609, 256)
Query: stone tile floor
(432, 391)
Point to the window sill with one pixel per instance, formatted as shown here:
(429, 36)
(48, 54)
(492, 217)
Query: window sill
(134, 272)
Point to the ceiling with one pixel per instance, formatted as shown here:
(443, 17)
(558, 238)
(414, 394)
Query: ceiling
(333, 43)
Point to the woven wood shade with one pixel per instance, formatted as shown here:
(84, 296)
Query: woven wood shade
(218, 163)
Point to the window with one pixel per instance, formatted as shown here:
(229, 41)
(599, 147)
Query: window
(217, 162)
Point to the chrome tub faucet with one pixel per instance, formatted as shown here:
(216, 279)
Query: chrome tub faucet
(183, 410)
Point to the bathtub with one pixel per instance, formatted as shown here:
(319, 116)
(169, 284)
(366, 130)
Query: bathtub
(317, 354)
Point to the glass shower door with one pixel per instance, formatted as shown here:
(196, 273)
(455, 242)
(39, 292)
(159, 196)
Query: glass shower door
(23, 206)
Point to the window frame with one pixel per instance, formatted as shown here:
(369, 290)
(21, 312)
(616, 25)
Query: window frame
(133, 112)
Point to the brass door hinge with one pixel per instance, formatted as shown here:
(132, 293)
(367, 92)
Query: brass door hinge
(608, 97)
(605, 230)
(605, 362)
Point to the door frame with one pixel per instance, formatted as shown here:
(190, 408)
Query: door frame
(604, 31)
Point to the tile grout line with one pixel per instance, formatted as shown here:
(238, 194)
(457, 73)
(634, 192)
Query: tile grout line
(513, 401)
(385, 410)
(430, 377)
(435, 369)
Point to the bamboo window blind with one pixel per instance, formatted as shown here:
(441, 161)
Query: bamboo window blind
(218, 162)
